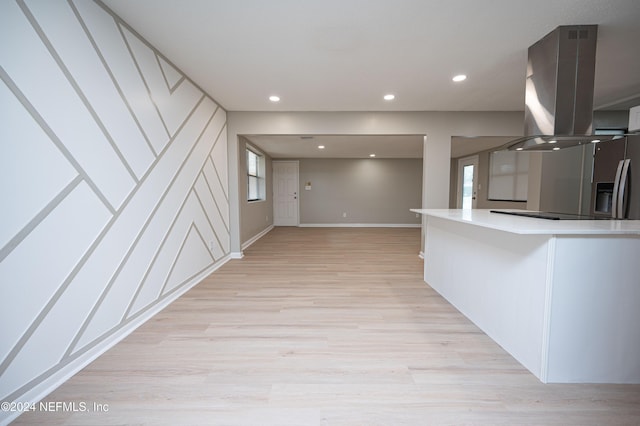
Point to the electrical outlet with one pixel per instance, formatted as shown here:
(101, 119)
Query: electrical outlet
(212, 245)
(344, 214)
(417, 214)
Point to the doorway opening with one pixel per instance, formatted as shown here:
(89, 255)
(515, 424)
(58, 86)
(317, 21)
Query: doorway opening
(468, 182)
(286, 205)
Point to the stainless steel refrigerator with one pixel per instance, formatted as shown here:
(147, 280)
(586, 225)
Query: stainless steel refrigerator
(615, 192)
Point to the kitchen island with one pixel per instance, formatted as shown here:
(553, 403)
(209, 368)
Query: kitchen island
(561, 296)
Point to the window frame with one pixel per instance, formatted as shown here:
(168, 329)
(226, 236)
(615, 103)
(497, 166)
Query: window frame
(513, 169)
(258, 178)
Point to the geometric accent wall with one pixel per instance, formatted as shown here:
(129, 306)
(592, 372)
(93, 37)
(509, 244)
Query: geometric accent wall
(114, 186)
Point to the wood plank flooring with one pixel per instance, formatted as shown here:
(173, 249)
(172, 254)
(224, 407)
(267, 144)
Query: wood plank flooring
(324, 326)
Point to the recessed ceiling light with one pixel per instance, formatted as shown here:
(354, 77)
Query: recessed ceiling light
(519, 149)
(389, 97)
(557, 148)
(595, 141)
(372, 155)
(274, 98)
(320, 146)
(459, 77)
(553, 141)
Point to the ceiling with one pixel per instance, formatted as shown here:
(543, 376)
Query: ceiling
(344, 55)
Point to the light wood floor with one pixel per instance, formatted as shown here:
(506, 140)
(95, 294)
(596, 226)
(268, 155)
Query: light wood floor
(324, 327)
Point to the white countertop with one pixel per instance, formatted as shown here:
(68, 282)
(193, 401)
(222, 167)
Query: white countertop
(527, 225)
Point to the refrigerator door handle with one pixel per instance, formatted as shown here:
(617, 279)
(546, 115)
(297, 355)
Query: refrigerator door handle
(616, 188)
(621, 195)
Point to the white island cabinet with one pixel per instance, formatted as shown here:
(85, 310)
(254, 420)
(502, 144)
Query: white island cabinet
(561, 296)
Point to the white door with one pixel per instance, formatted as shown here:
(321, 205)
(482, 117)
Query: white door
(285, 193)
(468, 182)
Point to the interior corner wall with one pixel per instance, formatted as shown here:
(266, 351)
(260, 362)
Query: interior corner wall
(377, 191)
(255, 216)
(115, 188)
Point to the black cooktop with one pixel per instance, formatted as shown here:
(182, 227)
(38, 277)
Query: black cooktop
(546, 215)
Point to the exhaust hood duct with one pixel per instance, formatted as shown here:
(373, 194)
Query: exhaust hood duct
(559, 90)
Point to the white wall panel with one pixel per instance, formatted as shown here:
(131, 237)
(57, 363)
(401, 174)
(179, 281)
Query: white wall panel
(166, 256)
(173, 106)
(112, 251)
(26, 153)
(68, 38)
(219, 157)
(85, 136)
(171, 75)
(193, 252)
(203, 223)
(107, 36)
(120, 291)
(32, 273)
(217, 191)
(38, 76)
(212, 211)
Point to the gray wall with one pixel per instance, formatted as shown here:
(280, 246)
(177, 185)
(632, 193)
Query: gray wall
(255, 216)
(370, 191)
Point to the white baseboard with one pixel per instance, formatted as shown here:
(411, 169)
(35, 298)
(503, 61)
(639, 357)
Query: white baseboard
(236, 255)
(360, 225)
(256, 237)
(51, 383)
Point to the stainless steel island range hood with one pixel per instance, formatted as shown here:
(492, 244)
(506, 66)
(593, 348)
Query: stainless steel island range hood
(559, 91)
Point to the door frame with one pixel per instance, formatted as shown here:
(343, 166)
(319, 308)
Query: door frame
(274, 191)
(465, 161)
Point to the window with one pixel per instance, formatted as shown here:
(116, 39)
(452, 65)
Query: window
(255, 176)
(508, 176)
